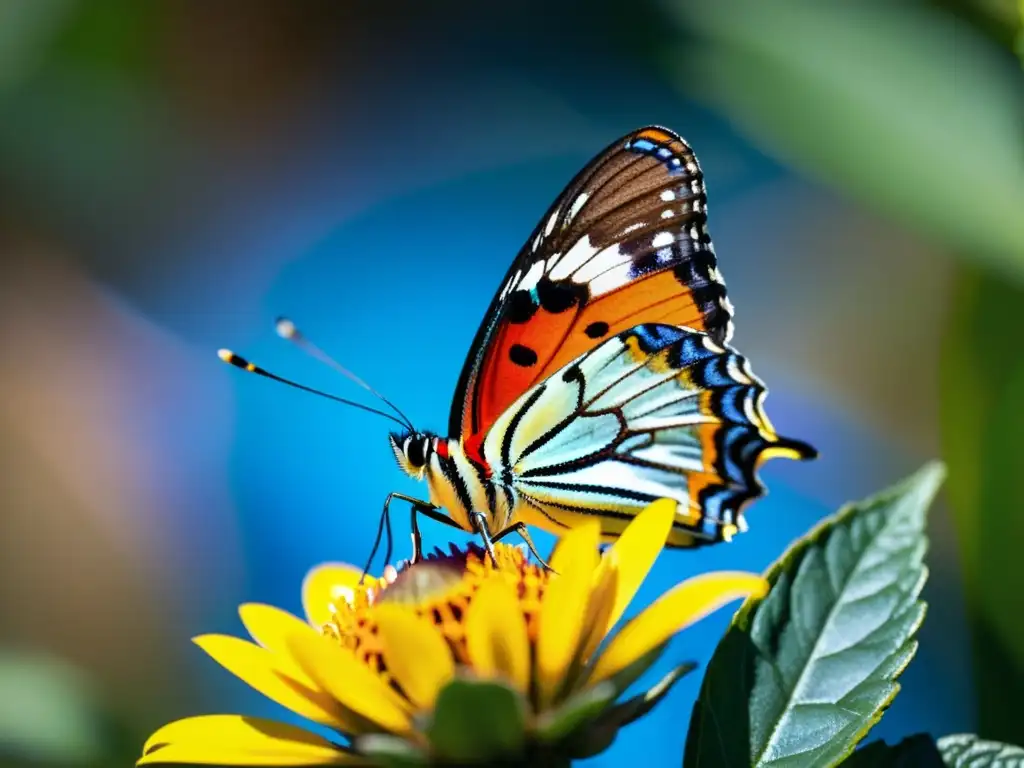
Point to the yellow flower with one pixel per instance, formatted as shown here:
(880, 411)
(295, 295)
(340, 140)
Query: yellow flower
(454, 659)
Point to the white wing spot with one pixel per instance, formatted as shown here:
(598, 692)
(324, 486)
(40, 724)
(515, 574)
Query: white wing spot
(668, 195)
(533, 276)
(577, 204)
(711, 346)
(662, 239)
(667, 214)
(513, 282)
(573, 259)
(745, 365)
(614, 278)
(751, 411)
(550, 226)
(736, 372)
(607, 259)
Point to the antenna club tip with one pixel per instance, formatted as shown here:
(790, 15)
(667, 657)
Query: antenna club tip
(285, 328)
(231, 358)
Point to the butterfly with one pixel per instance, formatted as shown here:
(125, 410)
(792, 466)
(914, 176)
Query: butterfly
(601, 378)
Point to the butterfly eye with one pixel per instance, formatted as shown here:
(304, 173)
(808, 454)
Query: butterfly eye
(415, 452)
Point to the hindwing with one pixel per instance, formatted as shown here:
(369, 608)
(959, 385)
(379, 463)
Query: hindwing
(656, 411)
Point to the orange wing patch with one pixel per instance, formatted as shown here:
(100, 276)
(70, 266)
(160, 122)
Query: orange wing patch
(659, 298)
(512, 363)
(625, 243)
(657, 135)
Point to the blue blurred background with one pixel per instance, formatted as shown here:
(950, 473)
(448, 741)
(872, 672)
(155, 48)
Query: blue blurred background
(174, 175)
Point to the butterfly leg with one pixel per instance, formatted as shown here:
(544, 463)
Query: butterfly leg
(385, 525)
(430, 511)
(524, 534)
(480, 523)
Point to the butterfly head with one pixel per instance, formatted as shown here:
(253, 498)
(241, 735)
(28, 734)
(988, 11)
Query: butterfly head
(412, 451)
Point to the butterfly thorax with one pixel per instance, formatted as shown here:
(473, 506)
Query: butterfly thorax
(459, 478)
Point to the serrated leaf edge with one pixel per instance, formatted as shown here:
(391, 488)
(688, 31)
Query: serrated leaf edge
(934, 471)
(930, 477)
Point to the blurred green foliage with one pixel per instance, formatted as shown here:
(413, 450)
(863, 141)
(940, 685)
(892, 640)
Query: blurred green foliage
(983, 421)
(917, 112)
(1020, 31)
(113, 37)
(46, 711)
(52, 714)
(905, 109)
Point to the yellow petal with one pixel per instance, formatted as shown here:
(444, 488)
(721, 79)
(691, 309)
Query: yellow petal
(264, 672)
(681, 606)
(235, 732)
(269, 626)
(187, 754)
(351, 682)
(415, 652)
(496, 637)
(637, 549)
(601, 604)
(324, 586)
(563, 607)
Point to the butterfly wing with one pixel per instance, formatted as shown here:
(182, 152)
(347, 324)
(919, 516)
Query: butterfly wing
(625, 243)
(653, 412)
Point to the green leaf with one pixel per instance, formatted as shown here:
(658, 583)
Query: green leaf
(802, 674)
(921, 751)
(982, 387)
(638, 706)
(918, 751)
(598, 736)
(477, 720)
(901, 106)
(968, 751)
(390, 751)
(577, 710)
(590, 733)
(629, 674)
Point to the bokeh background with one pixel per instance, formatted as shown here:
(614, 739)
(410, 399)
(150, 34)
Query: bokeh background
(176, 173)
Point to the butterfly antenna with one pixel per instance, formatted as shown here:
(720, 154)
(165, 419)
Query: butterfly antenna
(286, 329)
(231, 358)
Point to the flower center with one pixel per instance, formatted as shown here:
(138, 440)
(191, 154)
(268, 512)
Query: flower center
(440, 588)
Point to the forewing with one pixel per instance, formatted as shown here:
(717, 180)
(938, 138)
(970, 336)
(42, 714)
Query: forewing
(625, 243)
(654, 412)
